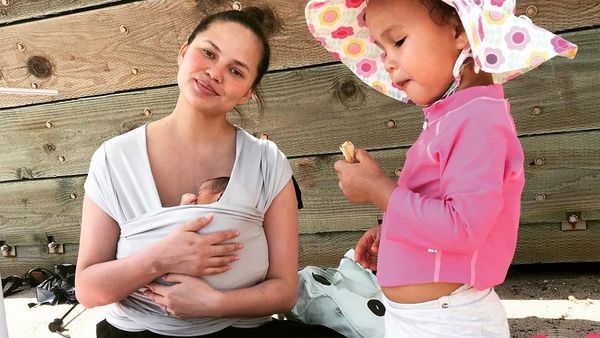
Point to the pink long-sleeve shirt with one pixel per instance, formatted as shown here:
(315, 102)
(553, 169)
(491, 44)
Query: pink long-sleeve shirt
(454, 214)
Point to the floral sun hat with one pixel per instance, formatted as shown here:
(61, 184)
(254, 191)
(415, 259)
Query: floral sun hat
(501, 43)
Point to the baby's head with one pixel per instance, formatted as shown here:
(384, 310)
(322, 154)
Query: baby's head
(421, 41)
(211, 190)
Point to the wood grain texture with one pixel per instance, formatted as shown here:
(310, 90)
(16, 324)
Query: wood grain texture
(326, 249)
(90, 56)
(17, 10)
(309, 112)
(569, 179)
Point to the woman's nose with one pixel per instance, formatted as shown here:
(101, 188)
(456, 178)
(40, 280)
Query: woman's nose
(215, 73)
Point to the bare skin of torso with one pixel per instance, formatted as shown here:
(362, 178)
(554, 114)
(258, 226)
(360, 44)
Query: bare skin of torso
(418, 293)
(180, 167)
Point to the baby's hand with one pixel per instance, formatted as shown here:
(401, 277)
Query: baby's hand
(188, 198)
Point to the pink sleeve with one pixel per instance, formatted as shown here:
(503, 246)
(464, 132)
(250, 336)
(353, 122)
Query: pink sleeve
(472, 166)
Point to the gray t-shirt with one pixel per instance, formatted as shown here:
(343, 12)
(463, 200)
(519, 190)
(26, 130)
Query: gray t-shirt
(120, 182)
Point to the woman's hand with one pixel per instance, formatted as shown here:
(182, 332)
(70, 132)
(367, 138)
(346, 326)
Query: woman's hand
(186, 252)
(188, 297)
(364, 182)
(367, 249)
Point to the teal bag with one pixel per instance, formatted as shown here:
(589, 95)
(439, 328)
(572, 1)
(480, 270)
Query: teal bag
(346, 299)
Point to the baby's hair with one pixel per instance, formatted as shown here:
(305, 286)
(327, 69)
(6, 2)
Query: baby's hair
(263, 21)
(442, 14)
(216, 185)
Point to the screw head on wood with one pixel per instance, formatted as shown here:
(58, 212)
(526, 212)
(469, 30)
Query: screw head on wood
(391, 124)
(49, 124)
(73, 195)
(147, 112)
(135, 71)
(573, 219)
(5, 248)
(540, 197)
(124, 29)
(20, 47)
(531, 11)
(539, 161)
(236, 5)
(34, 85)
(537, 110)
(264, 136)
(61, 159)
(397, 172)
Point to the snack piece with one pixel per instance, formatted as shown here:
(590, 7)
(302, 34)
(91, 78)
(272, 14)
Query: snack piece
(349, 151)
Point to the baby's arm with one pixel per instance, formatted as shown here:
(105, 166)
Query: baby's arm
(188, 198)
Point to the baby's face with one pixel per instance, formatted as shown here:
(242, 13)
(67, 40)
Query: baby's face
(206, 196)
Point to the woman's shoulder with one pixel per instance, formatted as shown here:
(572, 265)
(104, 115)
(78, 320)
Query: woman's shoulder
(125, 139)
(264, 145)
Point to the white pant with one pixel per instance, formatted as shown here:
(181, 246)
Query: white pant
(465, 313)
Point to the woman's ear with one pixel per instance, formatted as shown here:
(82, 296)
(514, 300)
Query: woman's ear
(182, 50)
(246, 97)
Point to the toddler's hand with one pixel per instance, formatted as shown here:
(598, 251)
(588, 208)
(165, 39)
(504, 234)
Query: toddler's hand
(363, 181)
(188, 198)
(367, 249)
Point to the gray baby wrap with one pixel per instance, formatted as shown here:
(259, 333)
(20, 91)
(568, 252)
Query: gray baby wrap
(120, 182)
(250, 269)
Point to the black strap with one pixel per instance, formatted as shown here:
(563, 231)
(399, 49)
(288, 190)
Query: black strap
(298, 193)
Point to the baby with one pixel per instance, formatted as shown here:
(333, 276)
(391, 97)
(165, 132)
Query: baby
(210, 191)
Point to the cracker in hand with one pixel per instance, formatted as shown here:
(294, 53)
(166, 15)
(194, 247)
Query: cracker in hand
(349, 151)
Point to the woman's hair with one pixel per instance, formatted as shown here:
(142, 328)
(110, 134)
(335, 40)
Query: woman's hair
(262, 21)
(442, 14)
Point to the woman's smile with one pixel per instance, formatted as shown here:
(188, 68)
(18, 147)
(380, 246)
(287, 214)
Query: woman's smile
(205, 88)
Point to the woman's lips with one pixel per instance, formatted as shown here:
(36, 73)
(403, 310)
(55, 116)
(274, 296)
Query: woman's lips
(206, 88)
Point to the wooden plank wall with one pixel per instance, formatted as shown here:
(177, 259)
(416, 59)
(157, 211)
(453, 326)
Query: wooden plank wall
(88, 50)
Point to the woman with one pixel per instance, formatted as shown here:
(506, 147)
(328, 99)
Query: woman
(147, 170)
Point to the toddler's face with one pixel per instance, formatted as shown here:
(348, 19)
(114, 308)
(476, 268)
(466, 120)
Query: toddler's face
(418, 53)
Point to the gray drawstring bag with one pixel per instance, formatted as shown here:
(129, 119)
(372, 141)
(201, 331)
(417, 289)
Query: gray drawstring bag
(346, 299)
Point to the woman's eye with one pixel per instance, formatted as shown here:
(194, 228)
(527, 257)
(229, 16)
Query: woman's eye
(208, 53)
(399, 42)
(236, 72)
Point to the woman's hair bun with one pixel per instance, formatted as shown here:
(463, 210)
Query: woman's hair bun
(266, 17)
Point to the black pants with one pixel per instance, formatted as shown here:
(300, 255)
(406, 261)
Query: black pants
(275, 329)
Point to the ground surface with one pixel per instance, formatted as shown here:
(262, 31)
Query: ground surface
(542, 300)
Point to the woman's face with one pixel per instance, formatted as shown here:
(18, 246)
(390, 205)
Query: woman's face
(217, 70)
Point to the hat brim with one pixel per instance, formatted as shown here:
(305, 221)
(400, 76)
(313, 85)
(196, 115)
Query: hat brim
(502, 44)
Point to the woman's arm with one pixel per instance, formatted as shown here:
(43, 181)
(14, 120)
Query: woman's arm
(193, 297)
(101, 279)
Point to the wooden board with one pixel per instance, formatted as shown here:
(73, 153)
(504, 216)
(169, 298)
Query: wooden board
(18, 10)
(560, 15)
(545, 13)
(326, 249)
(89, 55)
(569, 180)
(309, 111)
(96, 57)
